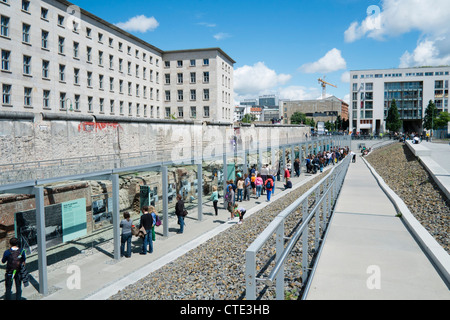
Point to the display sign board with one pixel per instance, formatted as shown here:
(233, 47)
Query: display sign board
(74, 219)
(63, 222)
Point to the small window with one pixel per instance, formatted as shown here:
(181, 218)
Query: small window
(26, 33)
(60, 20)
(4, 26)
(26, 5)
(44, 13)
(27, 97)
(6, 92)
(27, 65)
(6, 64)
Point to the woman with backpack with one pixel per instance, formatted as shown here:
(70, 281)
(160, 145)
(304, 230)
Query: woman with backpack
(269, 186)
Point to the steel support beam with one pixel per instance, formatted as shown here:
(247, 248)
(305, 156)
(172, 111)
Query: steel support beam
(200, 191)
(165, 200)
(41, 241)
(116, 215)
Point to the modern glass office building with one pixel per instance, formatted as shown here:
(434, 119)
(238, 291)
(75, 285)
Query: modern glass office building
(372, 92)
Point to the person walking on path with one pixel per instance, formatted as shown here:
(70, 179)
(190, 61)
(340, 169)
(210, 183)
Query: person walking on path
(179, 211)
(145, 225)
(14, 259)
(152, 211)
(297, 167)
(259, 184)
(247, 187)
(126, 236)
(253, 183)
(229, 199)
(240, 190)
(215, 199)
(269, 186)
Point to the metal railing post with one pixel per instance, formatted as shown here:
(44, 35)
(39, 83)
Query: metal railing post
(305, 244)
(250, 275)
(279, 251)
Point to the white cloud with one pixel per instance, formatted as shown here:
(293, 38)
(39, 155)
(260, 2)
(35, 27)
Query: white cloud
(396, 17)
(299, 93)
(139, 24)
(347, 98)
(331, 62)
(207, 24)
(221, 36)
(256, 79)
(345, 77)
(427, 53)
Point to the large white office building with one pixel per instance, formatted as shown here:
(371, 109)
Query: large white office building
(56, 57)
(372, 92)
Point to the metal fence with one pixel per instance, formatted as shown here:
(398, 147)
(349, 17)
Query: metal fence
(287, 230)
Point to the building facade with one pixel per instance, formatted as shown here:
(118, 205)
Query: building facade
(327, 109)
(372, 92)
(59, 58)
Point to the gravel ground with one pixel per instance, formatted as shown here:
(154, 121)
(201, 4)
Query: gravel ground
(404, 174)
(215, 269)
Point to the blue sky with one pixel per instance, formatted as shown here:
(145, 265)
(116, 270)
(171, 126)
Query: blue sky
(282, 47)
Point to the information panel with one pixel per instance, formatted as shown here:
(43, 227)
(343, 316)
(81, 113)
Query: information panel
(74, 219)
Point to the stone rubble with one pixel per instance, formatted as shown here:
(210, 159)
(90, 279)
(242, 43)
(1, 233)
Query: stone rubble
(215, 270)
(404, 174)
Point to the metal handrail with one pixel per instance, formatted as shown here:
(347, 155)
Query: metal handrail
(331, 187)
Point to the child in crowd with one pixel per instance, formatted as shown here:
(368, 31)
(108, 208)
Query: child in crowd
(239, 211)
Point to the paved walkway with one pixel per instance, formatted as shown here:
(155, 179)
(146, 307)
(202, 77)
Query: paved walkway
(368, 253)
(100, 276)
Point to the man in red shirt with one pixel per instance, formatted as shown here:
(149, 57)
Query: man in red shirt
(287, 174)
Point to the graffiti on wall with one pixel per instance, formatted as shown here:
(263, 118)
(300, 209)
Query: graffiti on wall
(97, 126)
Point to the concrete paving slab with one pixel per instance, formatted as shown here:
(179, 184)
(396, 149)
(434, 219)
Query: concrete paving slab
(369, 254)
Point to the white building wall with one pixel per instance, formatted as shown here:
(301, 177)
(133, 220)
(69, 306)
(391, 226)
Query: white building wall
(427, 75)
(145, 77)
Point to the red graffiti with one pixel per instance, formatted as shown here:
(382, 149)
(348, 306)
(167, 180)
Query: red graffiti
(94, 126)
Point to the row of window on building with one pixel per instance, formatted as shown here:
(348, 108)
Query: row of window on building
(398, 75)
(64, 101)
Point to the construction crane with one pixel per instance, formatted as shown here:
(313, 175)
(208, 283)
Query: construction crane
(324, 84)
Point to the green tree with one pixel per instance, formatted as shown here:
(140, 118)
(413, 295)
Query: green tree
(393, 122)
(248, 118)
(338, 124)
(431, 112)
(329, 126)
(298, 118)
(443, 119)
